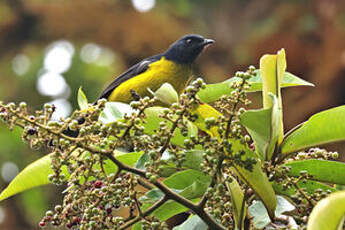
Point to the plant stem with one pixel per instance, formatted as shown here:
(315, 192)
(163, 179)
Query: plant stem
(228, 125)
(169, 194)
(144, 214)
(171, 133)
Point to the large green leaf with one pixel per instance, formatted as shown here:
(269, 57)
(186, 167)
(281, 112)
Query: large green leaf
(181, 180)
(261, 218)
(238, 206)
(190, 184)
(262, 125)
(321, 128)
(309, 186)
(328, 213)
(36, 173)
(213, 92)
(321, 170)
(192, 223)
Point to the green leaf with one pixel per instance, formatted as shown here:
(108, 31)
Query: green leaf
(272, 69)
(321, 170)
(188, 183)
(126, 158)
(237, 197)
(213, 92)
(181, 180)
(328, 213)
(36, 173)
(262, 125)
(256, 178)
(321, 128)
(140, 164)
(193, 159)
(259, 212)
(191, 184)
(114, 111)
(82, 100)
(166, 94)
(192, 223)
(169, 209)
(309, 186)
(153, 118)
(152, 196)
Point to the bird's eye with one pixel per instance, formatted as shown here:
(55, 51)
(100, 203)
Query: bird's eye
(188, 41)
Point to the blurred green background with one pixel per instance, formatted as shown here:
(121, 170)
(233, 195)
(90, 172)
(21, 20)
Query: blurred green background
(49, 48)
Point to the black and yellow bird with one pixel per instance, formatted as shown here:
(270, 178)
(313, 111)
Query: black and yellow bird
(174, 66)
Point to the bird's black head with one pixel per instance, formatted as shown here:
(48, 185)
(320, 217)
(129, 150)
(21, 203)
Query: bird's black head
(187, 49)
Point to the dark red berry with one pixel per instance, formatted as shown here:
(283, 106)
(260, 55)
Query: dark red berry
(98, 184)
(81, 120)
(76, 220)
(32, 131)
(109, 210)
(42, 224)
(69, 225)
(3, 110)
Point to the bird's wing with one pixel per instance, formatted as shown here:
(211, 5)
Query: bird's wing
(131, 72)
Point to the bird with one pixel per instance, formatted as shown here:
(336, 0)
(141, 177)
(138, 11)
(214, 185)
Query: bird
(174, 66)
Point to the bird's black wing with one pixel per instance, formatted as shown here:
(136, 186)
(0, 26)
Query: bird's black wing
(131, 72)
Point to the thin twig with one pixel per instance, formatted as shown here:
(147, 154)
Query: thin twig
(144, 184)
(144, 214)
(171, 133)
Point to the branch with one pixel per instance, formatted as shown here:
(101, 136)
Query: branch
(171, 133)
(144, 214)
(169, 194)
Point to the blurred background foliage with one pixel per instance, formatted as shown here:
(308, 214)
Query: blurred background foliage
(49, 48)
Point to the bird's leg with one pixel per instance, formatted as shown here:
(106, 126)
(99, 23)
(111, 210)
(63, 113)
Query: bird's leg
(135, 95)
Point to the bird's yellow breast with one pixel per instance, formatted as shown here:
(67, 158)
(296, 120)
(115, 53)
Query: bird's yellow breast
(158, 73)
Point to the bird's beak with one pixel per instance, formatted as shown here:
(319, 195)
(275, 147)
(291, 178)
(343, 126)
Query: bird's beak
(208, 42)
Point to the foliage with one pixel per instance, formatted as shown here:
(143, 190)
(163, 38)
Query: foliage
(156, 162)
